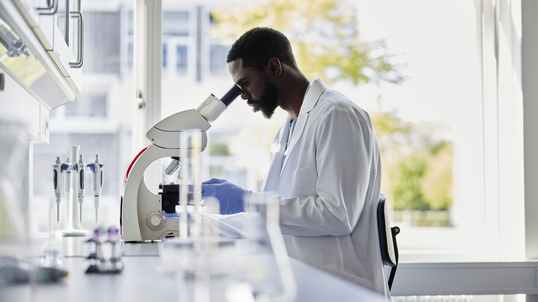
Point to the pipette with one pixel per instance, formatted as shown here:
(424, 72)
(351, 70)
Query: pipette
(80, 172)
(97, 169)
(67, 179)
(57, 181)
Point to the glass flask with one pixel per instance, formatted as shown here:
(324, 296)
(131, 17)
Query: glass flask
(52, 254)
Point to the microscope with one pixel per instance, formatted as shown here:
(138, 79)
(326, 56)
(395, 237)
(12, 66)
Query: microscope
(141, 216)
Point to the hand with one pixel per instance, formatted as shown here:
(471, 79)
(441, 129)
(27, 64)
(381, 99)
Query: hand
(230, 196)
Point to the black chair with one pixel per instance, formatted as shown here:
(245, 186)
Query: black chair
(387, 240)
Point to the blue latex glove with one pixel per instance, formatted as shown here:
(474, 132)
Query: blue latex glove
(170, 214)
(229, 195)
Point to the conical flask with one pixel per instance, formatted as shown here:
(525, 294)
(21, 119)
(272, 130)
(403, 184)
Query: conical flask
(52, 255)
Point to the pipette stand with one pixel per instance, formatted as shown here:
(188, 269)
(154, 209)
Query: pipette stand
(74, 227)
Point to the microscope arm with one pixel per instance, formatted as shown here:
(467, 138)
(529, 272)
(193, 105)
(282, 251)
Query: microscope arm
(165, 133)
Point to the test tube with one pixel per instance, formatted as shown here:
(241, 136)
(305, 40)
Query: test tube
(196, 149)
(184, 186)
(115, 253)
(190, 147)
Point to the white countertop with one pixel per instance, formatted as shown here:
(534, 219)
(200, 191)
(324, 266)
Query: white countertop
(143, 280)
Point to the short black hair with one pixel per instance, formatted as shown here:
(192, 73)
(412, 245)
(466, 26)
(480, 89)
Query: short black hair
(260, 44)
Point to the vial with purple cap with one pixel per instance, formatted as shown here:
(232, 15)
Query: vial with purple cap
(115, 249)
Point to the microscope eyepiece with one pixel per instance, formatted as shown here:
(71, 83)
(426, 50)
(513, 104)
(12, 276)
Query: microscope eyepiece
(231, 95)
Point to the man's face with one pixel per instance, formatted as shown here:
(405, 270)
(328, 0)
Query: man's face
(258, 90)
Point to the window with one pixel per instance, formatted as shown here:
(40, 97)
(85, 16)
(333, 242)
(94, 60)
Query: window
(432, 175)
(176, 41)
(462, 89)
(175, 23)
(217, 59)
(87, 105)
(181, 55)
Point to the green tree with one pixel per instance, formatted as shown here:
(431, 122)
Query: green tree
(388, 123)
(418, 165)
(438, 182)
(406, 183)
(323, 34)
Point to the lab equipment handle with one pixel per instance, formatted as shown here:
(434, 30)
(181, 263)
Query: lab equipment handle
(53, 5)
(80, 44)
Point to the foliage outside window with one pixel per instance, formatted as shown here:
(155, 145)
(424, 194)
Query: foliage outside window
(417, 166)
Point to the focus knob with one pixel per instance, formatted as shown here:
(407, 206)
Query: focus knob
(155, 221)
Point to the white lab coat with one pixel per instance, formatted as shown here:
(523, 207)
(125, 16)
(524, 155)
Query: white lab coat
(329, 187)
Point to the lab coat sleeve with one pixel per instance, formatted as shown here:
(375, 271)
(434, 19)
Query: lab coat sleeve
(344, 142)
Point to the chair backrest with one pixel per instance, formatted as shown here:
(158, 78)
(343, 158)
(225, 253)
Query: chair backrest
(387, 238)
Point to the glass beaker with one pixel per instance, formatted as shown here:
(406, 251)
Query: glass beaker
(264, 269)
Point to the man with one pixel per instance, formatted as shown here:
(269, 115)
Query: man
(325, 162)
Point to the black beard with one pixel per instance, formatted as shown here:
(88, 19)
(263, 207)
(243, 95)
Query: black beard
(269, 99)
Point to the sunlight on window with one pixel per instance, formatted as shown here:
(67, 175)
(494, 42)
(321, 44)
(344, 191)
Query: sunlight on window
(430, 127)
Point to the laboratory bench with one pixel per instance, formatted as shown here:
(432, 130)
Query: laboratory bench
(143, 279)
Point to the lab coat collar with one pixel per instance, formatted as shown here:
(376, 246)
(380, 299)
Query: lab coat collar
(309, 102)
(312, 96)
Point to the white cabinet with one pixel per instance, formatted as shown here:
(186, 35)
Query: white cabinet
(40, 59)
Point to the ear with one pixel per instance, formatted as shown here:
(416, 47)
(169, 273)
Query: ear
(274, 67)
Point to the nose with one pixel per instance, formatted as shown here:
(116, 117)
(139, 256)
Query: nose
(244, 96)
